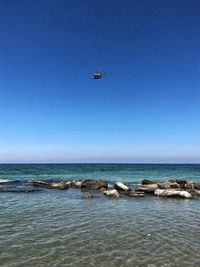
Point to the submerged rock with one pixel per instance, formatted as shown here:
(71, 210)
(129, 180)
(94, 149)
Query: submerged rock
(39, 184)
(172, 193)
(121, 187)
(111, 193)
(136, 194)
(94, 184)
(88, 195)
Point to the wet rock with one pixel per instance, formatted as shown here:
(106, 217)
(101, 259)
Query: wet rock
(76, 184)
(148, 188)
(145, 189)
(172, 193)
(39, 184)
(111, 193)
(168, 185)
(195, 192)
(196, 186)
(121, 187)
(146, 182)
(60, 186)
(178, 181)
(94, 184)
(189, 185)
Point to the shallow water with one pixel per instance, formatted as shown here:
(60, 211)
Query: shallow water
(61, 228)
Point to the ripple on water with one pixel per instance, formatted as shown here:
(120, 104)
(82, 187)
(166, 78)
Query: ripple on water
(62, 229)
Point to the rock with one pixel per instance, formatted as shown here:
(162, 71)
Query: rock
(111, 193)
(146, 182)
(74, 183)
(154, 186)
(172, 193)
(39, 184)
(121, 187)
(196, 186)
(61, 185)
(195, 192)
(145, 189)
(189, 185)
(136, 194)
(88, 195)
(178, 181)
(168, 185)
(94, 185)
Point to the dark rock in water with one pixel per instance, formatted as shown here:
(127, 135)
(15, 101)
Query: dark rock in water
(60, 185)
(88, 195)
(196, 186)
(178, 181)
(195, 192)
(145, 190)
(121, 187)
(14, 189)
(146, 181)
(75, 184)
(39, 184)
(94, 184)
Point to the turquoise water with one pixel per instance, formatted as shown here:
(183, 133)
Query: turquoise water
(109, 172)
(61, 228)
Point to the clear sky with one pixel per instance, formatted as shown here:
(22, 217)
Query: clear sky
(146, 108)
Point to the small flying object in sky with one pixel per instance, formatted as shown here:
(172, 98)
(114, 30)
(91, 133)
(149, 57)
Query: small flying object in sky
(98, 75)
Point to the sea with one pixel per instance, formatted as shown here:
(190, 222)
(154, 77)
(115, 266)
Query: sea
(62, 228)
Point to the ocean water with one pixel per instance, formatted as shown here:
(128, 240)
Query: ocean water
(61, 228)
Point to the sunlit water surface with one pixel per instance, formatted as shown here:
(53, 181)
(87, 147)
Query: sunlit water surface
(61, 228)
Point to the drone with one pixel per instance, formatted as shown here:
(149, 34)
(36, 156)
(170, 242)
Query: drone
(98, 75)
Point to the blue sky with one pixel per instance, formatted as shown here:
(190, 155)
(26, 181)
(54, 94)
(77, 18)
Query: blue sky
(146, 108)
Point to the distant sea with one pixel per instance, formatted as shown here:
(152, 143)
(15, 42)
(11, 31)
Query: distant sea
(61, 228)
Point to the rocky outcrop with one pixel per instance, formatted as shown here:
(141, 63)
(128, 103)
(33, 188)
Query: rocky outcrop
(172, 193)
(60, 185)
(111, 193)
(122, 187)
(94, 185)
